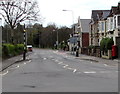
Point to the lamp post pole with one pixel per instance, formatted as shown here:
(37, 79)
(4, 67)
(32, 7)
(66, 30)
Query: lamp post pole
(72, 28)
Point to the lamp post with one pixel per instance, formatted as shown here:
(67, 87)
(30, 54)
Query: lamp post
(73, 26)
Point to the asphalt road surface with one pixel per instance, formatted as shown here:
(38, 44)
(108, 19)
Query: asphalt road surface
(57, 71)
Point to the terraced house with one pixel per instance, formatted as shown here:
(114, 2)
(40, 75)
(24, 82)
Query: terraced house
(105, 23)
(98, 26)
(113, 24)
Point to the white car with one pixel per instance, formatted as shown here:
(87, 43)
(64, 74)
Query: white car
(29, 47)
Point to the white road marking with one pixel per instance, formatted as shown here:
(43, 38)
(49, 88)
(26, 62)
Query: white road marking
(69, 68)
(56, 60)
(18, 66)
(91, 62)
(89, 72)
(60, 62)
(105, 64)
(29, 60)
(53, 59)
(65, 66)
(74, 70)
(44, 58)
(4, 73)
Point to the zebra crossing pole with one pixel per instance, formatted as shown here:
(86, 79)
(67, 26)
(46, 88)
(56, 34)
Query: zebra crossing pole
(24, 53)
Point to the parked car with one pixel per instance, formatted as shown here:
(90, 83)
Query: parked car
(29, 48)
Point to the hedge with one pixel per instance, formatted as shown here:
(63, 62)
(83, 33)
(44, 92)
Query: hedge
(106, 44)
(10, 50)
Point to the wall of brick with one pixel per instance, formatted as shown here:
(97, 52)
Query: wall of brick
(85, 39)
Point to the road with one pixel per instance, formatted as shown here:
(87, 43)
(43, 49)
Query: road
(57, 71)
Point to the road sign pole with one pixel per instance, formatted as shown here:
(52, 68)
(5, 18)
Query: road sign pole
(24, 53)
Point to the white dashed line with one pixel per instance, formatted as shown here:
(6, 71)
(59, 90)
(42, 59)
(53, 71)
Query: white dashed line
(44, 58)
(65, 66)
(24, 63)
(18, 66)
(74, 70)
(69, 68)
(89, 72)
(105, 64)
(56, 60)
(60, 62)
(53, 59)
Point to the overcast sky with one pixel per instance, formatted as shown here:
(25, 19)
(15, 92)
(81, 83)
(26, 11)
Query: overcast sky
(51, 10)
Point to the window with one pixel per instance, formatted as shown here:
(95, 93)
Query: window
(118, 20)
(102, 26)
(111, 23)
(114, 22)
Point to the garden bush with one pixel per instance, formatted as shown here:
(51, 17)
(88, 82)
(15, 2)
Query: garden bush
(10, 50)
(106, 44)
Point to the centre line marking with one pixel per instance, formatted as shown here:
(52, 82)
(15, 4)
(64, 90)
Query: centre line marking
(56, 60)
(69, 68)
(29, 60)
(89, 72)
(24, 63)
(65, 66)
(60, 62)
(44, 58)
(18, 66)
(74, 70)
(105, 64)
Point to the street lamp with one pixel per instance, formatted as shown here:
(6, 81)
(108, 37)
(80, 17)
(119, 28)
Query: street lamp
(73, 25)
(72, 17)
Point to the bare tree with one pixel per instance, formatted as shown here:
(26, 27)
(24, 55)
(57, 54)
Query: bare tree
(17, 11)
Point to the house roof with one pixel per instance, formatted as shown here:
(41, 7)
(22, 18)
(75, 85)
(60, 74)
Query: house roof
(114, 10)
(84, 23)
(99, 14)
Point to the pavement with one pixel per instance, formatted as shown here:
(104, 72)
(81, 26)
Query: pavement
(8, 62)
(112, 62)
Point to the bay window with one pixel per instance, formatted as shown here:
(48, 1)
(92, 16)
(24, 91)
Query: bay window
(118, 20)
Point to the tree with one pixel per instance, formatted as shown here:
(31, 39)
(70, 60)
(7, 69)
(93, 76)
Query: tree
(17, 11)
